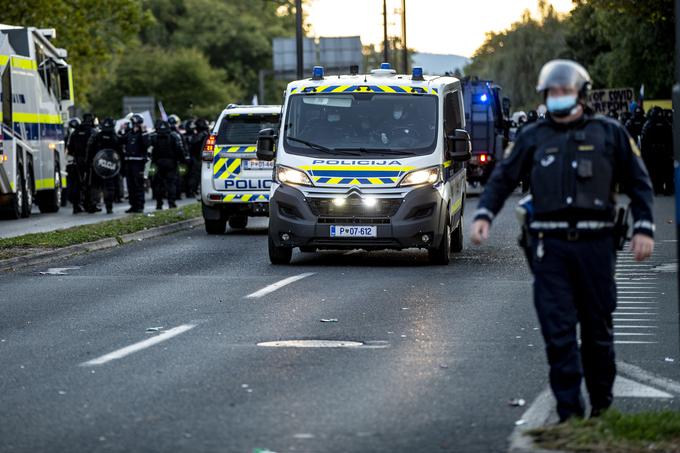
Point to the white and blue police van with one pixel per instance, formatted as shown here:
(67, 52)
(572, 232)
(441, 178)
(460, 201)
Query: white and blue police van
(371, 161)
(236, 185)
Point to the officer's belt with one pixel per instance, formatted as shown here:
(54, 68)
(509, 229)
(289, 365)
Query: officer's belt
(585, 229)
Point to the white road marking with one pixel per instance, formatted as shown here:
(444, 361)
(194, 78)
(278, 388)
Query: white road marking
(120, 353)
(635, 313)
(634, 342)
(280, 284)
(626, 388)
(619, 326)
(644, 376)
(623, 302)
(633, 334)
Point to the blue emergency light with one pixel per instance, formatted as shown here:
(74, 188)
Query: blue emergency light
(317, 73)
(385, 66)
(417, 73)
(484, 97)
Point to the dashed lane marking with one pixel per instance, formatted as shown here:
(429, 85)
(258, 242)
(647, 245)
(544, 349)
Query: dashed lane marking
(280, 284)
(126, 351)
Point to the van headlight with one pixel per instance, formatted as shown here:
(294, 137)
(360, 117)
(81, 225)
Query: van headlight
(430, 175)
(292, 177)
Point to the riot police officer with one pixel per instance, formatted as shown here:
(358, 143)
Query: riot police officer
(656, 142)
(77, 147)
(136, 146)
(166, 155)
(575, 160)
(195, 150)
(105, 139)
(636, 123)
(71, 167)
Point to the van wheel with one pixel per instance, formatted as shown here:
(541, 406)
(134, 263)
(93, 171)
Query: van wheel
(27, 204)
(238, 222)
(441, 254)
(215, 226)
(50, 200)
(457, 238)
(279, 255)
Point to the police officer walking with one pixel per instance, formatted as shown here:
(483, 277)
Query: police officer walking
(136, 145)
(575, 160)
(656, 141)
(166, 154)
(105, 139)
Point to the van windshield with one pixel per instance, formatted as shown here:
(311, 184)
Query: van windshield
(361, 124)
(242, 129)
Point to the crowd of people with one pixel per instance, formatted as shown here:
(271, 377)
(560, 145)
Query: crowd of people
(652, 132)
(104, 158)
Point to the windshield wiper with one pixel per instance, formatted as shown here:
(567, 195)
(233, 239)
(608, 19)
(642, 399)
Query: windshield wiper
(387, 151)
(318, 147)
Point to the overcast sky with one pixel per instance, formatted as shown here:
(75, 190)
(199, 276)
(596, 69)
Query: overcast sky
(437, 26)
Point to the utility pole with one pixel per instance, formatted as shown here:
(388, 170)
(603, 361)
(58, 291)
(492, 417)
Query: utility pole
(403, 35)
(298, 39)
(386, 43)
(676, 132)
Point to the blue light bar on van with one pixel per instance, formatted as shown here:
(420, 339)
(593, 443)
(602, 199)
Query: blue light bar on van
(317, 73)
(484, 97)
(385, 66)
(417, 73)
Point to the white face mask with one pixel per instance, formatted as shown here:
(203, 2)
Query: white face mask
(397, 114)
(561, 104)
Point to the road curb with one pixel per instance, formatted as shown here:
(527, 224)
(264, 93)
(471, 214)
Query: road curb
(538, 415)
(32, 259)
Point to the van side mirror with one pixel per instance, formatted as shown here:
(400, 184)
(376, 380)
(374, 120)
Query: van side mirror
(459, 146)
(266, 144)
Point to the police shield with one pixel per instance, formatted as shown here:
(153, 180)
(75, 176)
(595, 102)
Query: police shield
(106, 163)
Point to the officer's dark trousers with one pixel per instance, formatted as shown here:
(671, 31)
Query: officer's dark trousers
(165, 182)
(574, 284)
(135, 184)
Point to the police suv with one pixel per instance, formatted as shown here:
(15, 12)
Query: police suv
(234, 183)
(372, 161)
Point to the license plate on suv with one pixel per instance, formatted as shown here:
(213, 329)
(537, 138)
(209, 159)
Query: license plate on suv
(257, 165)
(354, 231)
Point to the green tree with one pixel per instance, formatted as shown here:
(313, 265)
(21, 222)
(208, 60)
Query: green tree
(513, 58)
(182, 79)
(94, 32)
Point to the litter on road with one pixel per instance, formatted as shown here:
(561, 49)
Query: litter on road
(517, 402)
(329, 320)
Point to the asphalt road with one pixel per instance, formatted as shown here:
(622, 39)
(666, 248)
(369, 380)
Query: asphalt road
(444, 348)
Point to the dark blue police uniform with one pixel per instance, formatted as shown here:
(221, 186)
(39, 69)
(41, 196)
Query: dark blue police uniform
(574, 170)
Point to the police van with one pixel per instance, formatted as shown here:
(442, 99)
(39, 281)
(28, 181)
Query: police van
(234, 183)
(36, 89)
(373, 161)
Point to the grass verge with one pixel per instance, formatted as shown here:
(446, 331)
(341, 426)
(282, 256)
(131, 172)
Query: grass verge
(615, 432)
(35, 242)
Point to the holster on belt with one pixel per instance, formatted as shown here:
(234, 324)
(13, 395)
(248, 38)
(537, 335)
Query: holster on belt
(621, 227)
(523, 212)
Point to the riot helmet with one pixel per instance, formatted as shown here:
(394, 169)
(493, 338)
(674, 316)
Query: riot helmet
(567, 75)
(163, 127)
(136, 120)
(108, 124)
(74, 122)
(88, 119)
(173, 120)
(202, 124)
(532, 116)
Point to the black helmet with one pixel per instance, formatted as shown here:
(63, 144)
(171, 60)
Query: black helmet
(564, 73)
(163, 127)
(137, 120)
(88, 119)
(532, 116)
(202, 124)
(613, 114)
(74, 122)
(108, 124)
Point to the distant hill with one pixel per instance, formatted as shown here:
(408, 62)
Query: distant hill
(438, 64)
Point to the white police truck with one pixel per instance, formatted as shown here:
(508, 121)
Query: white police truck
(373, 161)
(234, 183)
(36, 91)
